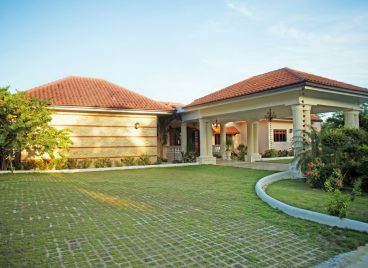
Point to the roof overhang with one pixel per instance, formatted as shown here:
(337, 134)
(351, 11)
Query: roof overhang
(107, 110)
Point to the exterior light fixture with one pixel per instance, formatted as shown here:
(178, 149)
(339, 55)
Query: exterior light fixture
(270, 115)
(136, 125)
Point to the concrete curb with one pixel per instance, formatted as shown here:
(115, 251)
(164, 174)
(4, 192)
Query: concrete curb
(276, 158)
(303, 213)
(99, 169)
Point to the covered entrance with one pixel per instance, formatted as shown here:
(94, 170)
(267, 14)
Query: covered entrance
(279, 94)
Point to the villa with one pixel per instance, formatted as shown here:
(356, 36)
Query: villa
(262, 112)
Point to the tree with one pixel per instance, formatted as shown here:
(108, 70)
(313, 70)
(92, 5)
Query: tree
(24, 125)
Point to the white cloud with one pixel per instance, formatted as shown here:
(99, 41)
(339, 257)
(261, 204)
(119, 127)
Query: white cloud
(240, 8)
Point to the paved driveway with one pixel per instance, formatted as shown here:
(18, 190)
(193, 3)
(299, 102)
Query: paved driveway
(188, 216)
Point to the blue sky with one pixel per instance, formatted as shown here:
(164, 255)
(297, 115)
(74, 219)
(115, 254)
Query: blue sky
(180, 50)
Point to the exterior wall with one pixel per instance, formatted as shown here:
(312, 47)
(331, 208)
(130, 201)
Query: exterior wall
(287, 125)
(104, 135)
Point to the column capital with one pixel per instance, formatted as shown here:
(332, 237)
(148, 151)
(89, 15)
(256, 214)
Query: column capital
(307, 107)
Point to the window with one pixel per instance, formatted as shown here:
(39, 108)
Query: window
(279, 135)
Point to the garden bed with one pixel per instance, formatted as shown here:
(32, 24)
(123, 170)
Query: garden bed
(298, 193)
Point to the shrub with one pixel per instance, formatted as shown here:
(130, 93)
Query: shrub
(338, 204)
(128, 161)
(190, 157)
(313, 174)
(84, 163)
(29, 164)
(270, 153)
(103, 162)
(334, 181)
(118, 163)
(143, 160)
(283, 153)
(242, 152)
(71, 163)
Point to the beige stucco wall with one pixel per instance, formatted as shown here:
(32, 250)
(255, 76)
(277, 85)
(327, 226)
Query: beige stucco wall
(287, 125)
(104, 135)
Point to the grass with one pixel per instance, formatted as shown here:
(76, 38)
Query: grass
(281, 161)
(300, 194)
(185, 216)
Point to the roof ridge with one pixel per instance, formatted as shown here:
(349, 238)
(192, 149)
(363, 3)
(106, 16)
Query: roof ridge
(292, 72)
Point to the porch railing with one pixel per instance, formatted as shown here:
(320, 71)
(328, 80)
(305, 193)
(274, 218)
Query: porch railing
(173, 153)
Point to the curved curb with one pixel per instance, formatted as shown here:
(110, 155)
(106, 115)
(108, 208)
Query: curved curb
(98, 169)
(303, 213)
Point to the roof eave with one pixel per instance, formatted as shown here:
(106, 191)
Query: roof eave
(290, 87)
(339, 89)
(109, 110)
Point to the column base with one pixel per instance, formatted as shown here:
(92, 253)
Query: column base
(295, 172)
(254, 157)
(206, 160)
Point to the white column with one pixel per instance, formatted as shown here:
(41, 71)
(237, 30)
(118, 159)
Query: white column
(252, 141)
(307, 122)
(255, 138)
(202, 138)
(351, 119)
(204, 157)
(183, 137)
(223, 140)
(209, 138)
(297, 111)
(249, 138)
(307, 117)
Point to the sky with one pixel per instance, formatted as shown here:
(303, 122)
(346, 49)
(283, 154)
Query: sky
(180, 50)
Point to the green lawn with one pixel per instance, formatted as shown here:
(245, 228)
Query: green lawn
(300, 194)
(185, 216)
(280, 161)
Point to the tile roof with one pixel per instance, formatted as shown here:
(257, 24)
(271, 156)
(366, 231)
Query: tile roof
(316, 118)
(268, 81)
(229, 130)
(93, 92)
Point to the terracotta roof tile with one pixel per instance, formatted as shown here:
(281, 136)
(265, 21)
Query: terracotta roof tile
(267, 81)
(229, 130)
(93, 92)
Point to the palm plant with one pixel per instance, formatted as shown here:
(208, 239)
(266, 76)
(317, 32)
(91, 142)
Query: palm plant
(311, 148)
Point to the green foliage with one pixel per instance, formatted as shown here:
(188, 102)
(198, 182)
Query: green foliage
(24, 125)
(339, 204)
(334, 181)
(84, 163)
(71, 163)
(343, 148)
(270, 153)
(337, 119)
(103, 162)
(313, 173)
(143, 160)
(357, 189)
(43, 164)
(190, 157)
(163, 125)
(242, 152)
(128, 161)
